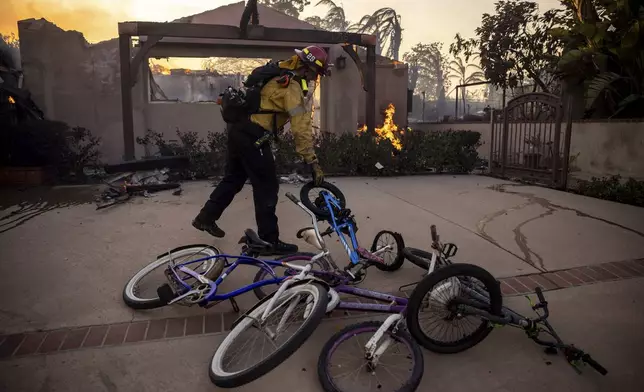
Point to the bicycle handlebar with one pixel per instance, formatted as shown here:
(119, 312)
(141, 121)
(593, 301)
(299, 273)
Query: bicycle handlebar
(310, 213)
(539, 293)
(586, 358)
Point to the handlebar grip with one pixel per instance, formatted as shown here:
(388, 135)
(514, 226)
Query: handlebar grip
(293, 198)
(434, 234)
(539, 293)
(586, 358)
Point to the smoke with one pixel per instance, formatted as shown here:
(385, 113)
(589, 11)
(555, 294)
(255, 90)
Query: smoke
(96, 23)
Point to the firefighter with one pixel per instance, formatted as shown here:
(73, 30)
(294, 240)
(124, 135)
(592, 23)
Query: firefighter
(250, 158)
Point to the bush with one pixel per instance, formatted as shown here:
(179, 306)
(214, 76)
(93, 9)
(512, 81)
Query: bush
(613, 188)
(346, 154)
(53, 145)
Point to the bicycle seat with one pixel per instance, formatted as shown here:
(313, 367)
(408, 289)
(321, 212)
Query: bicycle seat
(252, 239)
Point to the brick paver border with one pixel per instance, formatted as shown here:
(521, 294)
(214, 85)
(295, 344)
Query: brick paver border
(109, 335)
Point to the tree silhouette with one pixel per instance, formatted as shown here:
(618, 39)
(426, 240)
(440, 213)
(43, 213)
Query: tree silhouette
(459, 70)
(289, 7)
(335, 18)
(386, 24)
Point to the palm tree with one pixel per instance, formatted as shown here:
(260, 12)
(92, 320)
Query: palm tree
(335, 19)
(315, 21)
(386, 24)
(459, 71)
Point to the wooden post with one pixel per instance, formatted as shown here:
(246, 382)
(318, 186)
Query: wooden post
(126, 97)
(371, 89)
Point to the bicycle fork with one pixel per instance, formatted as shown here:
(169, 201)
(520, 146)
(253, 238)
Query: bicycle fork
(373, 351)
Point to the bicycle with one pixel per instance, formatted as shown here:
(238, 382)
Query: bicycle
(459, 294)
(188, 286)
(387, 336)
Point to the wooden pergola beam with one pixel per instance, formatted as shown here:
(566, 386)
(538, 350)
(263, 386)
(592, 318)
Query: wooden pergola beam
(156, 31)
(260, 33)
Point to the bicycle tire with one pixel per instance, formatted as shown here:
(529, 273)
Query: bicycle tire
(320, 213)
(428, 283)
(323, 362)
(134, 302)
(262, 273)
(222, 379)
(400, 245)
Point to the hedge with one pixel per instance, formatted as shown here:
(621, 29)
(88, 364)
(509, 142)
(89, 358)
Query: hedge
(347, 154)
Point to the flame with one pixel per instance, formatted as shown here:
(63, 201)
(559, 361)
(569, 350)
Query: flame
(389, 129)
(11, 100)
(159, 69)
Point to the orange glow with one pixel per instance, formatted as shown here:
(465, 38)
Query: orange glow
(389, 130)
(11, 100)
(158, 69)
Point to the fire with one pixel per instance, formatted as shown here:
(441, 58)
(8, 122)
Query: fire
(159, 69)
(389, 129)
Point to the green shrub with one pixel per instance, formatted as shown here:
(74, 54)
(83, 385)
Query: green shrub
(613, 188)
(345, 154)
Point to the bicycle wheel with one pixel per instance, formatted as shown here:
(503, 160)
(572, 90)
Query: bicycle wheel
(394, 257)
(298, 258)
(400, 368)
(435, 292)
(317, 206)
(305, 302)
(211, 268)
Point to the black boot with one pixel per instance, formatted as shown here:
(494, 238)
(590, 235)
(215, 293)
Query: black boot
(209, 227)
(281, 248)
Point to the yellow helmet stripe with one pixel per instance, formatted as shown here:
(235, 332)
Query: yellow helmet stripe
(319, 63)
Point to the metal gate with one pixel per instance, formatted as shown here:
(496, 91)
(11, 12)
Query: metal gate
(527, 140)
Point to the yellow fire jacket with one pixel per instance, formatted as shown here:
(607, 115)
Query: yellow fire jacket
(289, 101)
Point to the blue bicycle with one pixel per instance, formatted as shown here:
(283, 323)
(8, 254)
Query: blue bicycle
(284, 318)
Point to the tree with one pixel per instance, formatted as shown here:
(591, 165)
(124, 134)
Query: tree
(386, 24)
(289, 7)
(315, 21)
(11, 40)
(514, 45)
(427, 68)
(603, 53)
(459, 70)
(335, 19)
(427, 72)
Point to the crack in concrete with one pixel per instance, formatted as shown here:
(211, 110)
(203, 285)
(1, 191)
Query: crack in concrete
(483, 235)
(520, 238)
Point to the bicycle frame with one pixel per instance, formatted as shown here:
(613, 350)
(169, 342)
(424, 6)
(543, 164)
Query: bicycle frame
(331, 201)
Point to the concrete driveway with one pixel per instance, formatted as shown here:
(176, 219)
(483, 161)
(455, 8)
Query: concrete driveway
(65, 265)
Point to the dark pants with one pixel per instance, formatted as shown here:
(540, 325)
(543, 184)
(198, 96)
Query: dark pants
(245, 161)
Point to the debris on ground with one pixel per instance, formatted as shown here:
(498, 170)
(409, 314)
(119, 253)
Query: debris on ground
(122, 186)
(294, 179)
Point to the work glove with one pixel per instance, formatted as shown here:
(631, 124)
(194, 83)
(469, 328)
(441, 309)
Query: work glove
(318, 174)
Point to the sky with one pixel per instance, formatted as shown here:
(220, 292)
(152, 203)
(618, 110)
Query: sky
(422, 21)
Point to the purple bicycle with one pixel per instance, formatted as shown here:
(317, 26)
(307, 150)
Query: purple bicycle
(390, 359)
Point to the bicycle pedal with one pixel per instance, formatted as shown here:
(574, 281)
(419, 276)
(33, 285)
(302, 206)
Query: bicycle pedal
(234, 304)
(165, 293)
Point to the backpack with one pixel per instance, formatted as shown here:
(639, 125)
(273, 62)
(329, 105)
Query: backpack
(238, 105)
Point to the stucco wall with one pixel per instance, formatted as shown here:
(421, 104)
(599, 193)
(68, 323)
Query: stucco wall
(391, 87)
(600, 148)
(77, 83)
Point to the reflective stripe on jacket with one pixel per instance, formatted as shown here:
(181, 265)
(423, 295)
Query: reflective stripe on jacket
(290, 102)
